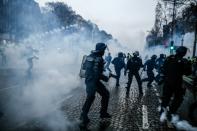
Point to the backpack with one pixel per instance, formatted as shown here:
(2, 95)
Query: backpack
(83, 67)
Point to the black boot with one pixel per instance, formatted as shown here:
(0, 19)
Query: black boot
(169, 116)
(141, 93)
(127, 90)
(117, 85)
(84, 118)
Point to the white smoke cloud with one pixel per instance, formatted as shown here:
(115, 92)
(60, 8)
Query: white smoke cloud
(184, 125)
(54, 75)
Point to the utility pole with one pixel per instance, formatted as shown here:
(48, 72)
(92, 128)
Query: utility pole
(173, 23)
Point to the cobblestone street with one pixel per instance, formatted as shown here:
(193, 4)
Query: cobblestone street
(129, 112)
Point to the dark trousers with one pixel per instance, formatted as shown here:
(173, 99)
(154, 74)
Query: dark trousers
(91, 90)
(157, 78)
(150, 78)
(118, 73)
(192, 108)
(130, 78)
(168, 91)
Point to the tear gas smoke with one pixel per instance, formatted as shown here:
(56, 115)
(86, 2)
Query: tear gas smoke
(54, 73)
(184, 125)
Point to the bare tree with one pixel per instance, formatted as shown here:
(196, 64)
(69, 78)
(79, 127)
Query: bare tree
(158, 19)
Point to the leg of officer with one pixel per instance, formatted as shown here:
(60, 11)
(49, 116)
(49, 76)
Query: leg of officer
(130, 77)
(192, 108)
(157, 77)
(117, 78)
(178, 98)
(137, 76)
(105, 97)
(166, 97)
(91, 91)
(150, 78)
(167, 94)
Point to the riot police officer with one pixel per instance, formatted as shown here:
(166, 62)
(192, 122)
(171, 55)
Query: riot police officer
(150, 65)
(160, 61)
(94, 66)
(133, 65)
(119, 64)
(175, 66)
(159, 65)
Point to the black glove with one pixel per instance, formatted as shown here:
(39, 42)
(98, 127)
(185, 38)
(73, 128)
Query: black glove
(112, 75)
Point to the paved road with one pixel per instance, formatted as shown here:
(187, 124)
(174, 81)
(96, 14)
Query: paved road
(129, 112)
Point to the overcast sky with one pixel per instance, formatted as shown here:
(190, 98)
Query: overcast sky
(126, 20)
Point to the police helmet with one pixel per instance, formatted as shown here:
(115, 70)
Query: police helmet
(100, 47)
(182, 50)
(136, 53)
(120, 54)
(154, 57)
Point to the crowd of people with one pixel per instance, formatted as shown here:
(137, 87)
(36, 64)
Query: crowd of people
(169, 73)
(132, 65)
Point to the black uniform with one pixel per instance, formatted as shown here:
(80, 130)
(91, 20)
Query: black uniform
(150, 64)
(94, 73)
(119, 64)
(159, 63)
(133, 65)
(173, 69)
